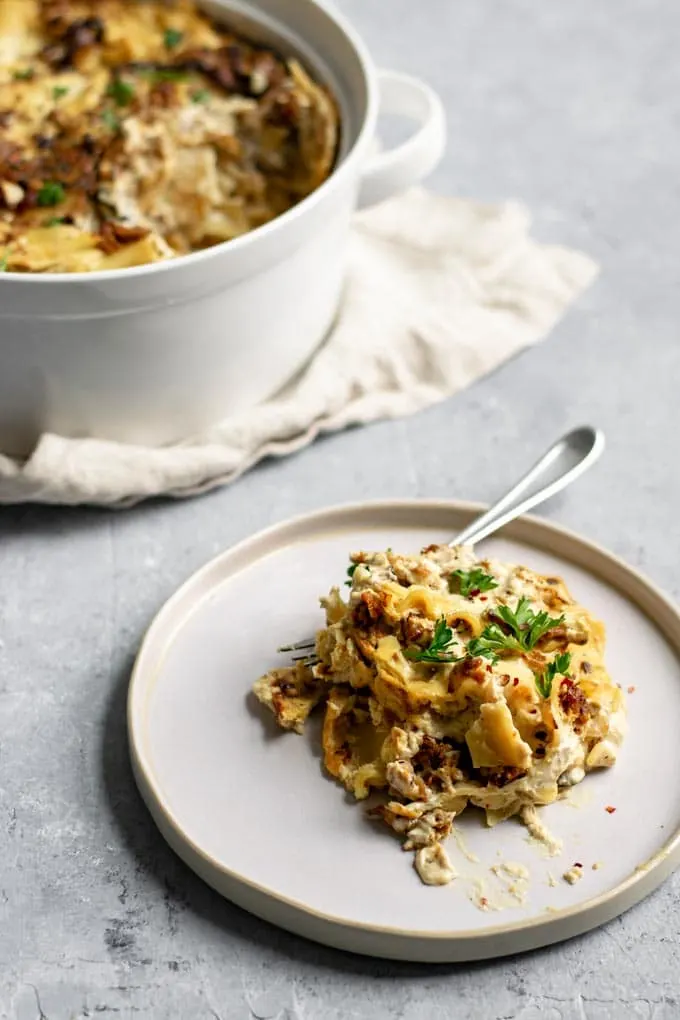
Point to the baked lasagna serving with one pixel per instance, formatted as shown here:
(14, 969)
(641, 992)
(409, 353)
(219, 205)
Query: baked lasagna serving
(137, 130)
(449, 681)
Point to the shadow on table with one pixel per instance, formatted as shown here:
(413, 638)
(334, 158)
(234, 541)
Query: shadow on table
(38, 520)
(183, 890)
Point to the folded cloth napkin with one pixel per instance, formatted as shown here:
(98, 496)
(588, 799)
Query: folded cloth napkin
(439, 291)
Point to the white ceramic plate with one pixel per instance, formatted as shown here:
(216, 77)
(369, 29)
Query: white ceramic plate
(250, 810)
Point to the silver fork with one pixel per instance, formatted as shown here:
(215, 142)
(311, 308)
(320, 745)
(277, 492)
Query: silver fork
(562, 464)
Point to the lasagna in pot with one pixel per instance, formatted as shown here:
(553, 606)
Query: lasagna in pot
(449, 681)
(137, 130)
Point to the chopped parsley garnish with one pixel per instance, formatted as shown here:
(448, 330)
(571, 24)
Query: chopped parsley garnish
(544, 681)
(121, 92)
(438, 649)
(26, 75)
(470, 582)
(55, 221)
(4, 262)
(350, 573)
(526, 629)
(172, 38)
(51, 193)
(200, 96)
(59, 91)
(111, 120)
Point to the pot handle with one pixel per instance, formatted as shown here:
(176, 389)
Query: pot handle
(396, 169)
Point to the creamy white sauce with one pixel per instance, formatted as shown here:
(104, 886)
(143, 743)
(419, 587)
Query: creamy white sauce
(514, 879)
(463, 847)
(507, 887)
(433, 865)
(513, 869)
(540, 835)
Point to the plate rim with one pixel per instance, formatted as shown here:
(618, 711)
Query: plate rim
(556, 926)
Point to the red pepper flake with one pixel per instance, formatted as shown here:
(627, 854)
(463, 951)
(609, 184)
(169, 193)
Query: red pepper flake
(515, 681)
(475, 592)
(483, 598)
(483, 902)
(609, 809)
(631, 689)
(577, 864)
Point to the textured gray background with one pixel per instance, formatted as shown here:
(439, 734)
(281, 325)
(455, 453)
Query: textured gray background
(573, 107)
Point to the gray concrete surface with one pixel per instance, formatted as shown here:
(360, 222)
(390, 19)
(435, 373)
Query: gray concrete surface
(574, 108)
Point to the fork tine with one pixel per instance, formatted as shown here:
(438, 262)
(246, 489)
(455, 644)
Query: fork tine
(298, 646)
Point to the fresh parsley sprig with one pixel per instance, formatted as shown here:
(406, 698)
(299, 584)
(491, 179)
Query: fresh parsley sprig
(492, 642)
(559, 665)
(528, 626)
(439, 647)
(172, 38)
(472, 581)
(526, 629)
(350, 573)
(122, 92)
(51, 193)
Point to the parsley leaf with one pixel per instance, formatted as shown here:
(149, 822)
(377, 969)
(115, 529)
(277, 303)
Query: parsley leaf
(121, 92)
(51, 193)
(172, 38)
(4, 262)
(59, 91)
(526, 629)
(492, 642)
(200, 96)
(438, 649)
(544, 681)
(26, 75)
(471, 581)
(527, 626)
(54, 221)
(350, 573)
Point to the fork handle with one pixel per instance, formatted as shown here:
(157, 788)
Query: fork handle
(562, 464)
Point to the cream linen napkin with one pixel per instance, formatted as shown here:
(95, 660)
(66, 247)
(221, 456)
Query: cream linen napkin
(439, 291)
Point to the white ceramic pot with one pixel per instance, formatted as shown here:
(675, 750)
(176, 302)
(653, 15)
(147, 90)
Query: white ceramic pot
(153, 354)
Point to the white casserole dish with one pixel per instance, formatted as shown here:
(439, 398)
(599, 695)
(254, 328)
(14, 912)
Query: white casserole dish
(153, 354)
